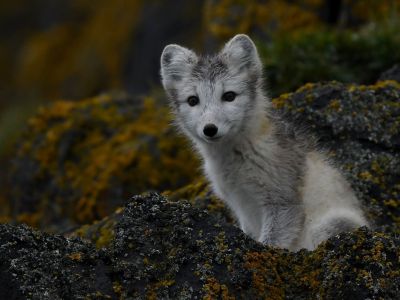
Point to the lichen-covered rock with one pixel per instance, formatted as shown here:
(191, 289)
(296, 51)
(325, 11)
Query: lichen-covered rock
(171, 250)
(392, 74)
(35, 265)
(198, 194)
(78, 161)
(359, 126)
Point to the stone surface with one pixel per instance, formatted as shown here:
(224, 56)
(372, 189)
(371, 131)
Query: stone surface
(392, 74)
(168, 250)
(359, 127)
(79, 160)
(188, 246)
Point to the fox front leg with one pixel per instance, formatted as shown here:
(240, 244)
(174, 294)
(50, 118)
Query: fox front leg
(282, 225)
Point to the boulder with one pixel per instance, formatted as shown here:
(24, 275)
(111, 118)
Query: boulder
(187, 246)
(78, 161)
(359, 127)
(391, 74)
(171, 250)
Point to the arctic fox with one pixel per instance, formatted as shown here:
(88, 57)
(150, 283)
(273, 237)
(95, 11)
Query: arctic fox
(282, 190)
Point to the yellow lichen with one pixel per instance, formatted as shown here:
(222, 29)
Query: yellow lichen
(152, 289)
(99, 160)
(77, 256)
(306, 87)
(335, 105)
(281, 101)
(263, 265)
(214, 290)
(117, 288)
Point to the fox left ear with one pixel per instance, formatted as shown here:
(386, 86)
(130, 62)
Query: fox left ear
(241, 53)
(176, 62)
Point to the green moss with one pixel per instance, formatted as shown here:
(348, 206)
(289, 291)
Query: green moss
(351, 56)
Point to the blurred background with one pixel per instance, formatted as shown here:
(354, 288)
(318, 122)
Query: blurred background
(78, 49)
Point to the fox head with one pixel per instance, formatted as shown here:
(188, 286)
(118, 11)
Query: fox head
(214, 98)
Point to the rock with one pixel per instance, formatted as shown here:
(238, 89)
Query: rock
(359, 127)
(35, 265)
(159, 248)
(392, 74)
(56, 178)
(169, 250)
(78, 161)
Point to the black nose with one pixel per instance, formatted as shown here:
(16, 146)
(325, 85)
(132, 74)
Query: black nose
(210, 130)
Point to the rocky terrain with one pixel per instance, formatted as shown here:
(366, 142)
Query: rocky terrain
(78, 161)
(184, 244)
(172, 250)
(100, 198)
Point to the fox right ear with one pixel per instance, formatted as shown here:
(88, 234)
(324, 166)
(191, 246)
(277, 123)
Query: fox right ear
(176, 62)
(241, 53)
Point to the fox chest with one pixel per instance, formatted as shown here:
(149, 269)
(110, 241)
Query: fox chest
(241, 178)
(244, 189)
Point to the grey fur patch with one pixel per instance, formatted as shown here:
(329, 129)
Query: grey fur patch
(209, 68)
(173, 97)
(167, 58)
(176, 77)
(252, 84)
(239, 154)
(287, 134)
(245, 43)
(332, 228)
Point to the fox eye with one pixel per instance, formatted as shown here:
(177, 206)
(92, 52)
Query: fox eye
(193, 100)
(229, 96)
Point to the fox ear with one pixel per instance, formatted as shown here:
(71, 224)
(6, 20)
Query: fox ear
(176, 62)
(241, 53)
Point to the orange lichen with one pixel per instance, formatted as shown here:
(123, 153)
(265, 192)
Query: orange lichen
(214, 290)
(335, 105)
(152, 288)
(197, 189)
(263, 265)
(75, 256)
(97, 159)
(117, 288)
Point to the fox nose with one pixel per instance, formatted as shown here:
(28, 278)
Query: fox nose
(210, 130)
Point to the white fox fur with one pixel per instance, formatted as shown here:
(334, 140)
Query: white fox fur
(282, 190)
